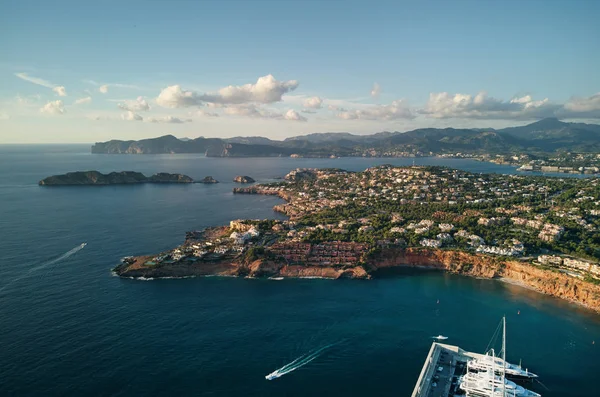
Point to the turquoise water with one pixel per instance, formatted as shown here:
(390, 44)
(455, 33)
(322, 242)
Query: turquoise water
(69, 328)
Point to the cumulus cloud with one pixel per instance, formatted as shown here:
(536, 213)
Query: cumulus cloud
(376, 90)
(103, 88)
(481, 106)
(266, 90)
(256, 112)
(83, 101)
(136, 105)
(60, 90)
(582, 107)
(130, 116)
(313, 103)
(396, 110)
(294, 116)
(54, 108)
(175, 97)
(167, 119)
(251, 111)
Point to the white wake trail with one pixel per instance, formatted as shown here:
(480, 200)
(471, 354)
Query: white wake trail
(297, 363)
(60, 258)
(45, 264)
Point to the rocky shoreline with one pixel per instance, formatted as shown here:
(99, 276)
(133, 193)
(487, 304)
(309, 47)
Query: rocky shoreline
(457, 262)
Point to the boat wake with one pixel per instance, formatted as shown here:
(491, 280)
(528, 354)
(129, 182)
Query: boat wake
(297, 363)
(45, 265)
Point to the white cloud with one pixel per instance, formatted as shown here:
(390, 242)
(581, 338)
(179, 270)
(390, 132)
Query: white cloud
(396, 110)
(60, 90)
(294, 116)
(103, 87)
(167, 119)
(444, 105)
(83, 101)
(376, 90)
(130, 116)
(53, 107)
(266, 90)
(313, 103)
(256, 112)
(35, 80)
(251, 111)
(205, 113)
(175, 97)
(582, 107)
(137, 105)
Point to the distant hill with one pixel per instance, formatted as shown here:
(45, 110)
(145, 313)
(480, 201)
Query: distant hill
(547, 135)
(251, 140)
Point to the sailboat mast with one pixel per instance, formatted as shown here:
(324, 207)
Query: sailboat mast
(503, 356)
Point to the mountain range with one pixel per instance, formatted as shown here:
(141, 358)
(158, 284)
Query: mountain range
(544, 136)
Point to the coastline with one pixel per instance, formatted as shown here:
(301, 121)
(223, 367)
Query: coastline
(365, 262)
(480, 266)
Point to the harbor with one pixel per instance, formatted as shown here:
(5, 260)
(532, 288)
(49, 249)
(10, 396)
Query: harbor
(450, 371)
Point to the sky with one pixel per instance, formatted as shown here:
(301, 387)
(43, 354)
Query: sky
(80, 72)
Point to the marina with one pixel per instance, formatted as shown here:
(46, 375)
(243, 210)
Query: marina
(449, 371)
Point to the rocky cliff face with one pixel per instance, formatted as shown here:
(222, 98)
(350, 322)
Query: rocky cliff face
(257, 268)
(524, 274)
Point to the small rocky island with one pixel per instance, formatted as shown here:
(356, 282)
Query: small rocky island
(243, 179)
(84, 178)
(208, 179)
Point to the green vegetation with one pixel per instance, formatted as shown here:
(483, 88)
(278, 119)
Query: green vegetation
(388, 203)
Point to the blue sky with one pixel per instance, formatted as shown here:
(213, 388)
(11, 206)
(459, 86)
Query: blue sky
(83, 72)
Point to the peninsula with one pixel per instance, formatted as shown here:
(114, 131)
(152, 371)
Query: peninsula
(539, 232)
(83, 178)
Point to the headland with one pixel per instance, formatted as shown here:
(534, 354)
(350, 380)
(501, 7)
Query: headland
(537, 232)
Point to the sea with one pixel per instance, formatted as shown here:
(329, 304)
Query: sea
(68, 327)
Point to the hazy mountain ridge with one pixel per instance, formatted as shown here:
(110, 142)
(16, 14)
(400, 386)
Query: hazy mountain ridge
(546, 135)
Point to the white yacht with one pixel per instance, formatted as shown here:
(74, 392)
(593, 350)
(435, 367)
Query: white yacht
(487, 377)
(484, 385)
(511, 370)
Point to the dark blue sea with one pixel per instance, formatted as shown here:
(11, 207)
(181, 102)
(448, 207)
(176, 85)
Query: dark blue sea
(70, 328)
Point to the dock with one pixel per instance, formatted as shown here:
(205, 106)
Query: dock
(443, 365)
